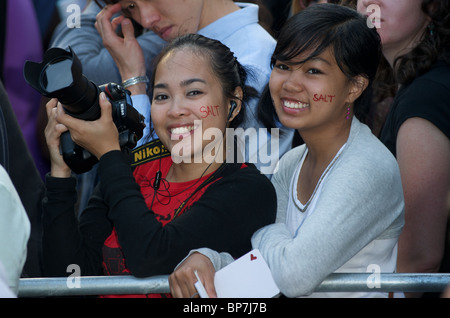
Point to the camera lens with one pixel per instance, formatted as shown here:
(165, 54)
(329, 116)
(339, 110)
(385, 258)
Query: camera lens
(55, 76)
(60, 76)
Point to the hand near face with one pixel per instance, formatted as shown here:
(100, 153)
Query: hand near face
(126, 51)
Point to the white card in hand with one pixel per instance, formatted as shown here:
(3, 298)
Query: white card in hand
(247, 277)
(200, 288)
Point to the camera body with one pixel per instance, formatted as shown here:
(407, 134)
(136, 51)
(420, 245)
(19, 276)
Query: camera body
(60, 76)
(129, 123)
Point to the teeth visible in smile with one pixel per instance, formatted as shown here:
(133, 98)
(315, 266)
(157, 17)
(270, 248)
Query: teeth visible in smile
(295, 105)
(181, 130)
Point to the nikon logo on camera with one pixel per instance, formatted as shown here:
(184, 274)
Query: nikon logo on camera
(148, 152)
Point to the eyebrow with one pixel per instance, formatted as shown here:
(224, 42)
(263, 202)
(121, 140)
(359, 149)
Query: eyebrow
(317, 58)
(160, 86)
(313, 59)
(182, 83)
(192, 80)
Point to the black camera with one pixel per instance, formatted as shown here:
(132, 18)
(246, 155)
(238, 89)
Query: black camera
(60, 76)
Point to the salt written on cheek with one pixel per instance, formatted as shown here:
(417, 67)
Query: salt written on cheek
(209, 111)
(323, 98)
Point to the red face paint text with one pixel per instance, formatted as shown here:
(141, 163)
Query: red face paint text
(323, 98)
(209, 111)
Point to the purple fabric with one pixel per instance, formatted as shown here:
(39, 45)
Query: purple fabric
(23, 42)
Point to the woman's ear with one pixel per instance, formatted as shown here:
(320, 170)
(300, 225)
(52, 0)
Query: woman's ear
(235, 104)
(357, 86)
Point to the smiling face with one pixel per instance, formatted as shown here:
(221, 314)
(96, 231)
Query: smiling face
(312, 95)
(167, 18)
(187, 100)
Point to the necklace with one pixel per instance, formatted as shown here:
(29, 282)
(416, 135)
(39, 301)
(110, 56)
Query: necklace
(305, 207)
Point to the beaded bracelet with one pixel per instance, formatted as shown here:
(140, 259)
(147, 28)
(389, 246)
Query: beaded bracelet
(135, 80)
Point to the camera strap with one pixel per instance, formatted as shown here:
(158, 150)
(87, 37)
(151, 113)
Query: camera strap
(148, 152)
(214, 176)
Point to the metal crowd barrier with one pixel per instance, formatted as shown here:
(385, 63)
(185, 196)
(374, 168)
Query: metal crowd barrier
(337, 282)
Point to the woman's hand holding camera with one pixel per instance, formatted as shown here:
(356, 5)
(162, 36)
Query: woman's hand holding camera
(98, 137)
(53, 132)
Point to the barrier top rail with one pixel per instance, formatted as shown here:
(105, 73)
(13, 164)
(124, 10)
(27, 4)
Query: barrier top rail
(336, 282)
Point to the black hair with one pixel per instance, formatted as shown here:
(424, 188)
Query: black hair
(356, 48)
(224, 64)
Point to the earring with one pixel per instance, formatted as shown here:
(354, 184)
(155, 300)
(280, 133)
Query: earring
(431, 28)
(348, 113)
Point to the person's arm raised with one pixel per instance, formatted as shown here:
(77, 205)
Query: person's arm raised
(126, 51)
